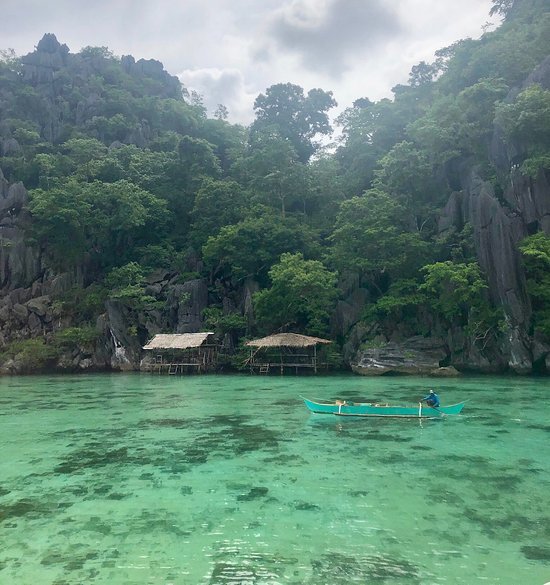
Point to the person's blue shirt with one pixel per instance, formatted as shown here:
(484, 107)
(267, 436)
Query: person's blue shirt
(432, 399)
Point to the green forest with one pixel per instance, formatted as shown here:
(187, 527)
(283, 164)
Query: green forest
(292, 219)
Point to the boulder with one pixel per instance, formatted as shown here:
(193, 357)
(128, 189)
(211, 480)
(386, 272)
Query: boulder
(20, 312)
(416, 355)
(446, 372)
(39, 305)
(34, 324)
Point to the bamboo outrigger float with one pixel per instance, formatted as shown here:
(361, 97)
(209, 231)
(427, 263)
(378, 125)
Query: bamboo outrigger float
(343, 408)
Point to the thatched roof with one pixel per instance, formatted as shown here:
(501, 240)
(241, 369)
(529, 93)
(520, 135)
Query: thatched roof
(287, 340)
(177, 340)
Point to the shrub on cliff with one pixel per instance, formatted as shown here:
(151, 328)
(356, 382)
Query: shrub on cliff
(29, 355)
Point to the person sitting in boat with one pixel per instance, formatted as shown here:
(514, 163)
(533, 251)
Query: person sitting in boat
(432, 399)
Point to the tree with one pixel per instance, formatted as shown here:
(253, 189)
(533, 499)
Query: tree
(536, 254)
(126, 283)
(369, 130)
(501, 7)
(195, 162)
(358, 151)
(298, 118)
(371, 238)
(229, 141)
(123, 217)
(326, 192)
(455, 287)
(406, 173)
(456, 290)
(90, 52)
(399, 306)
(250, 247)
(102, 220)
(477, 104)
(273, 171)
(422, 74)
(436, 132)
(217, 204)
(221, 112)
(61, 220)
(301, 296)
(526, 123)
(81, 155)
(10, 60)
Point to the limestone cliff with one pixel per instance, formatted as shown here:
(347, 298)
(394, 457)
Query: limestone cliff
(31, 307)
(499, 223)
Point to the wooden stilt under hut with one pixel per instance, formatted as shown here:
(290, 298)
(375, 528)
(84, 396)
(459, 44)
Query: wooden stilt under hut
(286, 352)
(181, 353)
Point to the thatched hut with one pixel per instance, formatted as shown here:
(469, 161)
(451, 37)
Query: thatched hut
(285, 351)
(174, 353)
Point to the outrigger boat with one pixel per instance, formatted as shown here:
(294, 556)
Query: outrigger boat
(343, 408)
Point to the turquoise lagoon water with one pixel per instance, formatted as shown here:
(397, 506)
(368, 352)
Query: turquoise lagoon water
(228, 480)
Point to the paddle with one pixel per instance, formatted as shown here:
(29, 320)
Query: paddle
(434, 407)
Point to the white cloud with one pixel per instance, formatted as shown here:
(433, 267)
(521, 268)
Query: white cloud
(330, 37)
(232, 51)
(221, 86)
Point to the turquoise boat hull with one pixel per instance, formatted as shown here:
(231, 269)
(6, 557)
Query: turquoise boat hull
(368, 409)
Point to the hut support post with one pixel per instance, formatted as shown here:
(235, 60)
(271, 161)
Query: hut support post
(315, 358)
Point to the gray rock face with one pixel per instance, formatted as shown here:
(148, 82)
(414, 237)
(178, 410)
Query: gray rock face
(499, 225)
(19, 263)
(496, 235)
(9, 146)
(417, 355)
(192, 302)
(250, 288)
(50, 56)
(123, 347)
(349, 311)
(170, 85)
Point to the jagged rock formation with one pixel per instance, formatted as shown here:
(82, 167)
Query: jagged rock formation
(45, 70)
(499, 224)
(41, 66)
(29, 291)
(19, 263)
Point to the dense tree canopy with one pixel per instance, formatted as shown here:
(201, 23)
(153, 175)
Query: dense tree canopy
(127, 174)
(296, 117)
(301, 296)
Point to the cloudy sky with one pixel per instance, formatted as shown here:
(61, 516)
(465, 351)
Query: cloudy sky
(232, 50)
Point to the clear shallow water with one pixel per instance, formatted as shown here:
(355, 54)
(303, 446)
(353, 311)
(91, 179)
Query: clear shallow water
(227, 480)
